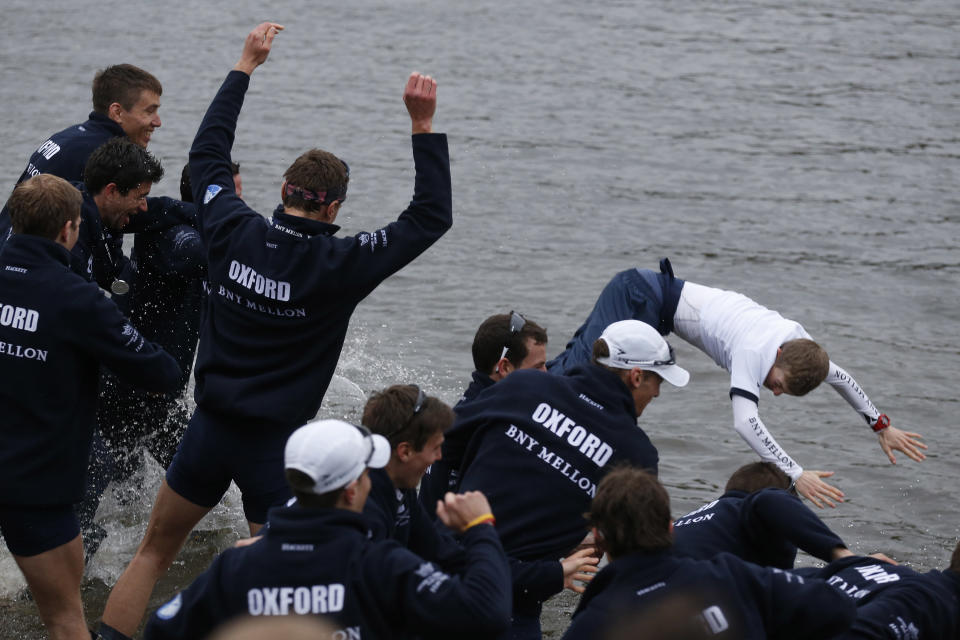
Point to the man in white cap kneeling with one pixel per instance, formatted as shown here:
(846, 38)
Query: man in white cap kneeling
(537, 445)
(316, 558)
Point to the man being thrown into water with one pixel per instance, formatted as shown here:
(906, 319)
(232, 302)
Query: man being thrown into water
(758, 346)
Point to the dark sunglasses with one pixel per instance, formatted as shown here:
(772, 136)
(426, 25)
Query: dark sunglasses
(652, 363)
(517, 323)
(368, 438)
(417, 407)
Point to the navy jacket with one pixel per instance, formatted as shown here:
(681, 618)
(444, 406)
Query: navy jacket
(320, 561)
(478, 382)
(894, 601)
(396, 514)
(737, 600)
(55, 331)
(282, 290)
(764, 527)
(537, 444)
(440, 476)
(66, 152)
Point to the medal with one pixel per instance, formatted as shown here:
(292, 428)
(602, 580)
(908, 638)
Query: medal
(119, 287)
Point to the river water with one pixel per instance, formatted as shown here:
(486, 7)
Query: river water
(806, 154)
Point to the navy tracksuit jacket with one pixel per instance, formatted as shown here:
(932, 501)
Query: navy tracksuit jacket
(537, 444)
(66, 152)
(320, 561)
(55, 331)
(440, 476)
(893, 601)
(764, 527)
(396, 514)
(282, 290)
(736, 600)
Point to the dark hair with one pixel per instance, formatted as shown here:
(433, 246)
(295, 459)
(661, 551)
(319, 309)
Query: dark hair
(302, 486)
(494, 334)
(121, 162)
(317, 171)
(391, 414)
(758, 475)
(632, 512)
(185, 188)
(955, 559)
(123, 84)
(41, 206)
(805, 365)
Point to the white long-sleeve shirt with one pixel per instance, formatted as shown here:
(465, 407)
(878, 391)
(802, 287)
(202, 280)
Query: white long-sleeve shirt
(743, 337)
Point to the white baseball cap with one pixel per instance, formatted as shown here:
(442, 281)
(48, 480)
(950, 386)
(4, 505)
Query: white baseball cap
(636, 344)
(334, 453)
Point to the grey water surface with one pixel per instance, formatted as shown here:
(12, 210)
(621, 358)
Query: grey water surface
(805, 154)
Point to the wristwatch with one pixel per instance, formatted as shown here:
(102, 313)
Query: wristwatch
(882, 423)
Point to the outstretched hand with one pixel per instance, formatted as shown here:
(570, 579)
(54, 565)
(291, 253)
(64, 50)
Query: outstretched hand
(907, 442)
(810, 486)
(256, 48)
(420, 96)
(579, 566)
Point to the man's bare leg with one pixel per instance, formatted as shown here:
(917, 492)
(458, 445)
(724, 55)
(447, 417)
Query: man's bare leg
(54, 580)
(171, 521)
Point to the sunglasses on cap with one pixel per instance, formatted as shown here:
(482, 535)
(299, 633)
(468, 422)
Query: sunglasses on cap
(651, 363)
(517, 323)
(417, 407)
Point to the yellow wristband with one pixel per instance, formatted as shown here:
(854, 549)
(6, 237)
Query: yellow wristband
(487, 517)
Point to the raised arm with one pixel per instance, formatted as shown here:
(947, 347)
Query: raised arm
(257, 46)
(809, 483)
(211, 176)
(891, 438)
(420, 96)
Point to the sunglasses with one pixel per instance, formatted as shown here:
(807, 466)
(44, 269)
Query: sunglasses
(517, 322)
(368, 438)
(651, 363)
(417, 407)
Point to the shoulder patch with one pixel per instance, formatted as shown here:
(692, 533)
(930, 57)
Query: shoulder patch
(170, 609)
(211, 193)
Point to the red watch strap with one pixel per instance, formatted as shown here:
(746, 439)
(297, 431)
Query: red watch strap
(882, 422)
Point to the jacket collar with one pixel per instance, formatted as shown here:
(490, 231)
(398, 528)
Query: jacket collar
(604, 386)
(299, 226)
(312, 524)
(104, 122)
(630, 566)
(28, 249)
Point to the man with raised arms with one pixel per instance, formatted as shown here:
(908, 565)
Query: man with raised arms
(56, 329)
(759, 347)
(281, 290)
